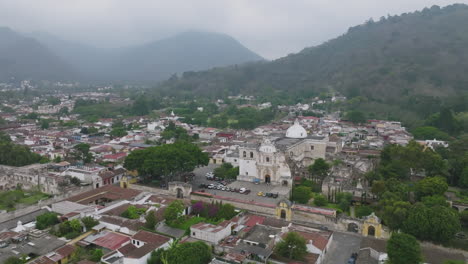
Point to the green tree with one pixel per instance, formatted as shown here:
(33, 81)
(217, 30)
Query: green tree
(168, 161)
(320, 200)
(189, 253)
(454, 262)
(118, 132)
(438, 224)
(343, 199)
(81, 152)
(44, 124)
(464, 218)
(434, 200)
(89, 222)
(429, 132)
(46, 219)
(174, 211)
(319, 170)
(403, 249)
(293, 247)
(150, 220)
(132, 212)
(96, 255)
(431, 186)
(13, 260)
(363, 210)
(227, 211)
(355, 117)
(301, 194)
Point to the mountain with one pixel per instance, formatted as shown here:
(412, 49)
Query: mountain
(158, 60)
(25, 58)
(407, 62)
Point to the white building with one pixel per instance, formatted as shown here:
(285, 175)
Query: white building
(267, 162)
(211, 233)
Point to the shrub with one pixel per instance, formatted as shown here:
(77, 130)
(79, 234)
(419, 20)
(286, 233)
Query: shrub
(320, 200)
(45, 220)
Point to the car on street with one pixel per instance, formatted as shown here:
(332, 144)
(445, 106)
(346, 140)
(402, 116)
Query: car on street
(211, 186)
(242, 190)
(247, 192)
(260, 194)
(275, 195)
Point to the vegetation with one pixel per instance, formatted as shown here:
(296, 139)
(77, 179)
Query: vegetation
(301, 194)
(15, 155)
(293, 247)
(81, 152)
(9, 199)
(45, 220)
(186, 253)
(226, 171)
(174, 211)
(320, 200)
(133, 212)
(151, 220)
(14, 260)
(166, 162)
(68, 229)
(319, 170)
(89, 222)
(403, 249)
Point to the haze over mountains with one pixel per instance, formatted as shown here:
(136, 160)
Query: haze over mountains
(424, 53)
(57, 59)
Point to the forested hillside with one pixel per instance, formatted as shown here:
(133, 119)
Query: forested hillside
(407, 66)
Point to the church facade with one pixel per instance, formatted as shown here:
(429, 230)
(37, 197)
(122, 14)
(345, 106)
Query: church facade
(268, 162)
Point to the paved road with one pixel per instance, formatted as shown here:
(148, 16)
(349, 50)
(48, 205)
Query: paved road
(341, 248)
(200, 177)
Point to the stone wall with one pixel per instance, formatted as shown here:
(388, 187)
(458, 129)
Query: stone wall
(5, 216)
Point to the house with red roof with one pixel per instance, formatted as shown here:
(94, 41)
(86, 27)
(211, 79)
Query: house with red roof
(138, 249)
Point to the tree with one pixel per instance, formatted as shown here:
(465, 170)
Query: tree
(431, 186)
(227, 211)
(363, 210)
(44, 124)
(132, 212)
(464, 218)
(429, 132)
(319, 169)
(438, 224)
(89, 222)
(292, 247)
(301, 194)
(189, 253)
(174, 211)
(403, 249)
(454, 262)
(434, 200)
(168, 161)
(378, 188)
(150, 220)
(343, 199)
(320, 200)
(96, 255)
(81, 152)
(45, 220)
(356, 117)
(118, 132)
(13, 260)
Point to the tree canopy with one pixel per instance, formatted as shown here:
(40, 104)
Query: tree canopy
(293, 246)
(166, 161)
(15, 155)
(403, 249)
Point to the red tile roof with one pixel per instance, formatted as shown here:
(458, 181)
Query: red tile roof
(152, 238)
(111, 241)
(66, 250)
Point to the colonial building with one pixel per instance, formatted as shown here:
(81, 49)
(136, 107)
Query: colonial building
(270, 161)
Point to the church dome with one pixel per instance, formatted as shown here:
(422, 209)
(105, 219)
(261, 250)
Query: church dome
(296, 131)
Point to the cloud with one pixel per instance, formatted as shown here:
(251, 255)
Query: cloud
(272, 28)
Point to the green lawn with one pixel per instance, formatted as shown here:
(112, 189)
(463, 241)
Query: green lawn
(8, 199)
(193, 221)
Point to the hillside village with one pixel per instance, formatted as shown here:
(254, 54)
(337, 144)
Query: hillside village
(129, 219)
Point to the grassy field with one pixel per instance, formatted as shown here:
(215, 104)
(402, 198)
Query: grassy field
(9, 199)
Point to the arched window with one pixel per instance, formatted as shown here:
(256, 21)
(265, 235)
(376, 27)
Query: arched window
(251, 154)
(245, 154)
(267, 159)
(311, 147)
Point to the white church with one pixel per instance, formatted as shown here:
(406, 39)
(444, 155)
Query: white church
(267, 162)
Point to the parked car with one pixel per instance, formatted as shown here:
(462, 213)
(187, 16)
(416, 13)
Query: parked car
(353, 258)
(268, 194)
(260, 194)
(242, 190)
(211, 186)
(219, 187)
(247, 192)
(275, 195)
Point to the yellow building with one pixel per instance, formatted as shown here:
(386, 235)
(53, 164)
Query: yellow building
(283, 210)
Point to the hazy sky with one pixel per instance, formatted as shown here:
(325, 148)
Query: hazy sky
(272, 28)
